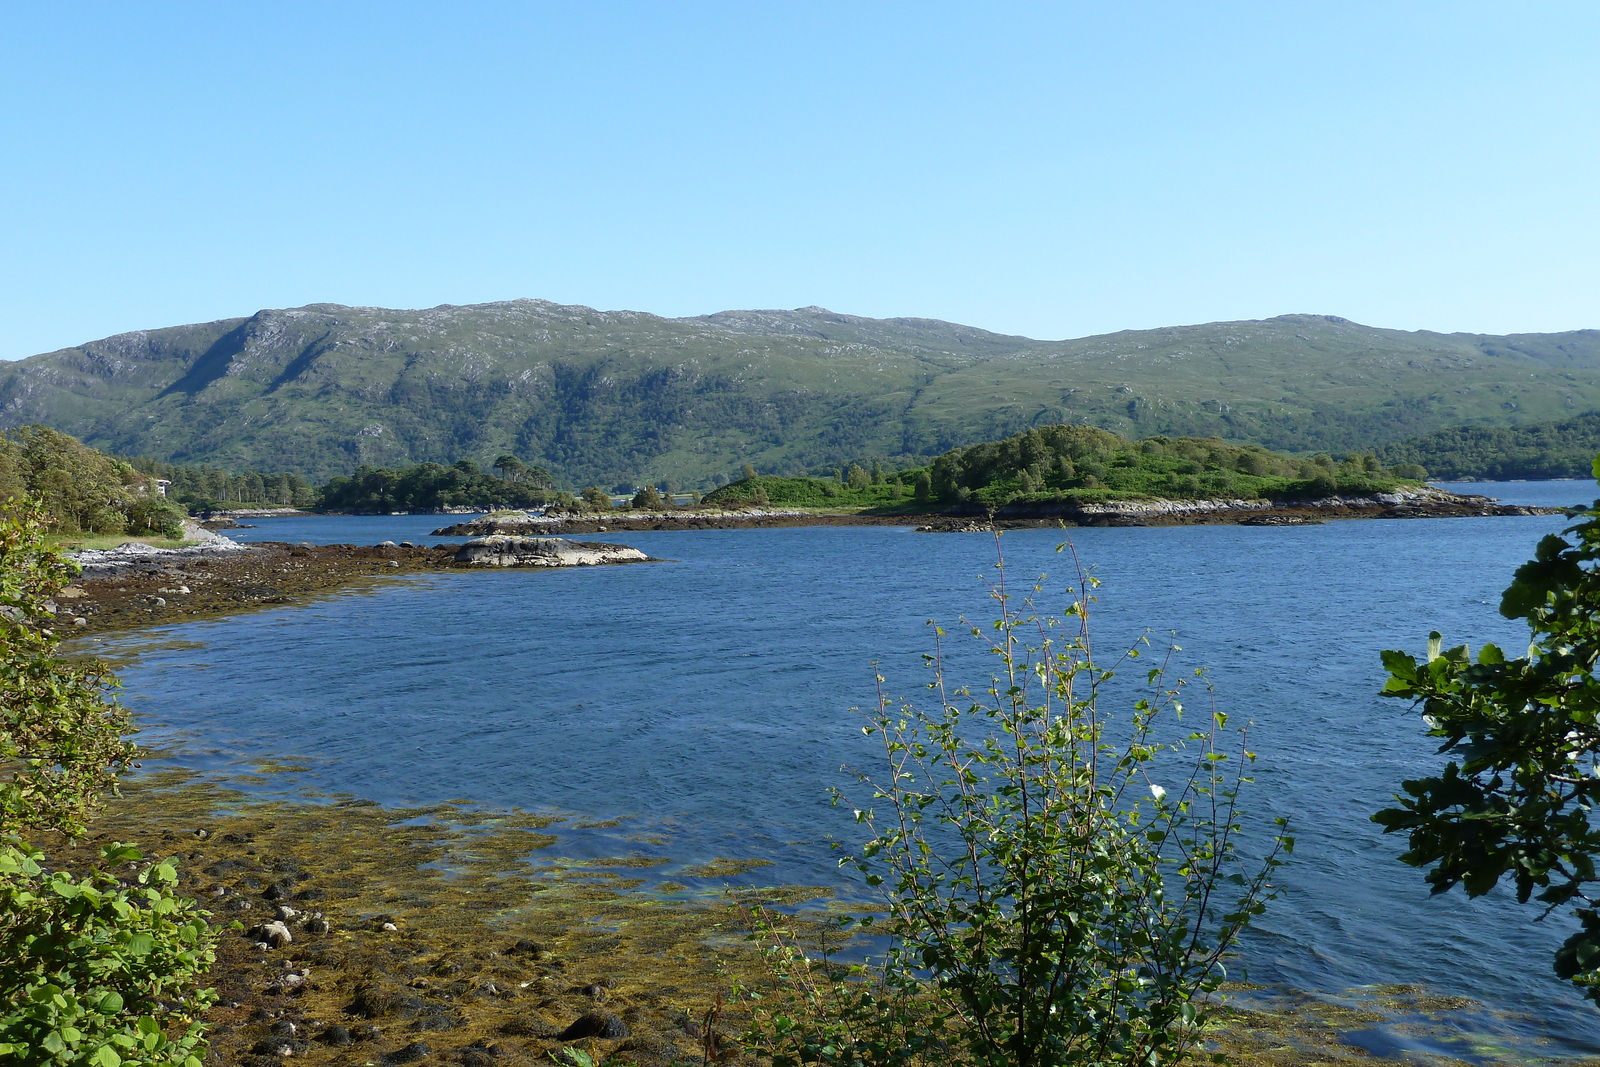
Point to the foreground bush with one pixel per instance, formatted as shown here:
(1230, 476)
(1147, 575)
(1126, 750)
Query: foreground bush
(1515, 800)
(1062, 880)
(97, 972)
(94, 970)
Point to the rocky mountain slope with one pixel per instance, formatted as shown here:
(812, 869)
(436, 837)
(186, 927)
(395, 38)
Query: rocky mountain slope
(620, 395)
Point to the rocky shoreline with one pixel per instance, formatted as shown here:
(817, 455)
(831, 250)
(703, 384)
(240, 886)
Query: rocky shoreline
(538, 525)
(136, 585)
(1407, 502)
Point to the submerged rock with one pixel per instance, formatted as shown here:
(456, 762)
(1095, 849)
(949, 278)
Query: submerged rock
(506, 550)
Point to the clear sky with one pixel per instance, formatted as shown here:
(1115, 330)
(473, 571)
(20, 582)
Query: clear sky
(1054, 170)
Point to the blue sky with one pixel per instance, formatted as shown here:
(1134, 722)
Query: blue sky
(1054, 170)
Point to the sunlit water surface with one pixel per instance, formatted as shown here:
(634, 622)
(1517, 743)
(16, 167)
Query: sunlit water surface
(709, 698)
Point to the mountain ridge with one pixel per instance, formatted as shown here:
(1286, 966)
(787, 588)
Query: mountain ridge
(605, 395)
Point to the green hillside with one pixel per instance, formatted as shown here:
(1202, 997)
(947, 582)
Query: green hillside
(598, 397)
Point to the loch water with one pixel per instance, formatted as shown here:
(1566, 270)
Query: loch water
(707, 701)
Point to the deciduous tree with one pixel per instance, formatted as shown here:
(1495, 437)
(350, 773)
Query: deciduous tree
(1515, 801)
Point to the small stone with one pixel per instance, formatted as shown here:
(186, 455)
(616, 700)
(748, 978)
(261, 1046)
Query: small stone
(277, 933)
(161, 602)
(317, 925)
(79, 620)
(394, 563)
(282, 1028)
(287, 983)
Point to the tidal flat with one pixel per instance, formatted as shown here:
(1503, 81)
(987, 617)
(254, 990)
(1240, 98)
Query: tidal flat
(454, 935)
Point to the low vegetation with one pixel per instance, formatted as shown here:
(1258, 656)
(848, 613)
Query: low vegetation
(769, 491)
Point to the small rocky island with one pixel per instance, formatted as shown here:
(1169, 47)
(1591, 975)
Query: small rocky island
(507, 550)
(1402, 502)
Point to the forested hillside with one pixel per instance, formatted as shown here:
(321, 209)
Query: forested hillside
(1563, 449)
(624, 396)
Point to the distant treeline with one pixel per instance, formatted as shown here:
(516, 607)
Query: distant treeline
(201, 488)
(1080, 463)
(1085, 463)
(433, 486)
(81, 490)
(1496, 453)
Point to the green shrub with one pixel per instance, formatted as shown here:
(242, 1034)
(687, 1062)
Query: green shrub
(61, 736)
(1061, 882)
(155, 515)
(98, 973)
(92, 972)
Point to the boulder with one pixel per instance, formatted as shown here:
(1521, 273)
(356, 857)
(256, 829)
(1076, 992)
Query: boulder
(506, 550)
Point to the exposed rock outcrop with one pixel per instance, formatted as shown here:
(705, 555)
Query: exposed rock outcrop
(136, 556)
(505, 550)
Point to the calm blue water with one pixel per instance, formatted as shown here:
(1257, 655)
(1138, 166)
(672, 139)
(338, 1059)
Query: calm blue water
(709, 698)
